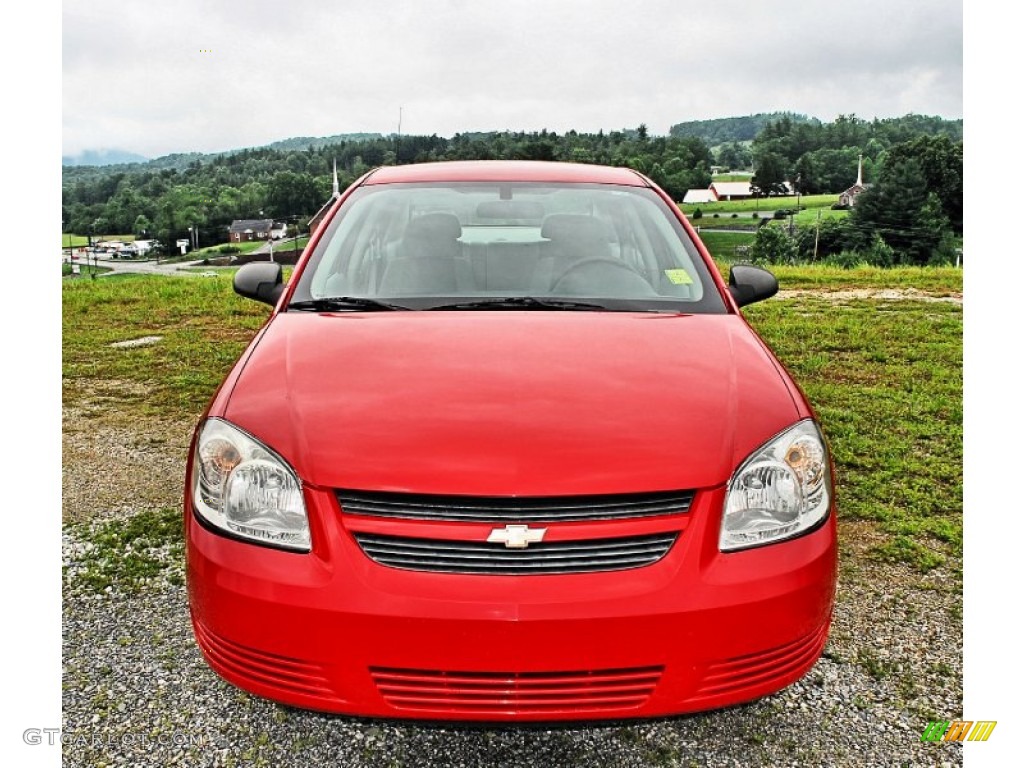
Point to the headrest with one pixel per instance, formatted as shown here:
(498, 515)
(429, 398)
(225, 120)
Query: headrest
(433, 227)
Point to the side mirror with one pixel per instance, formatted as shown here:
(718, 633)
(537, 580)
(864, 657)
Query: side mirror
(260, 281)
(748, 284)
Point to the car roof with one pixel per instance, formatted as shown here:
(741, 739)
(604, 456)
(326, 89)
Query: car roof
(506, 170)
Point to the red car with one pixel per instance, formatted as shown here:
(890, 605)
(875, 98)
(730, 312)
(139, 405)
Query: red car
(506, 449)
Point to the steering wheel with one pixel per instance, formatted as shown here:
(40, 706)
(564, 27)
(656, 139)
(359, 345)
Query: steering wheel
(594, 261)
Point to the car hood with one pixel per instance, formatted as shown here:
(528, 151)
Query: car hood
(512, 402)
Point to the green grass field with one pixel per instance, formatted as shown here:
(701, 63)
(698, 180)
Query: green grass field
(761, 204)
(78, 241)
(732, 176)
(723, 245)
(884, 376)
(84, 269)
(215, 250)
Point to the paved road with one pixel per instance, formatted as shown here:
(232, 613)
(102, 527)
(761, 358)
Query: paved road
(279, 245)
(121, 266)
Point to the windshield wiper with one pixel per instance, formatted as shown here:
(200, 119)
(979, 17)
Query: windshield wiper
(523, 302)
(336, 303)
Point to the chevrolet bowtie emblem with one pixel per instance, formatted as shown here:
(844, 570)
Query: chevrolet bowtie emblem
(516, 536)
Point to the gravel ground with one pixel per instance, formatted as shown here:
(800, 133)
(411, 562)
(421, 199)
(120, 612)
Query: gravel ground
(137, 692)
(881, 294)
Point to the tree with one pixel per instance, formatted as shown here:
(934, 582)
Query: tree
(770, 178)
(806, 181)
(100, 227)
(826, 238)
(828, 170)
(733, 156)
(141, 226)
(293, 193)
(942, 163)
(895, 209)
(773, 246)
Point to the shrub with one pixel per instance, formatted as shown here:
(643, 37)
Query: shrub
(733, 216)
(846, 259)
(698, 213)
(714, 215)
(880, 254)
(773, 246)
(947, 252)
(229, 249)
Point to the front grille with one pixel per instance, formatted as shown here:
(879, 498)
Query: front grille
(577, 556)
(516, 693)
(513, 509)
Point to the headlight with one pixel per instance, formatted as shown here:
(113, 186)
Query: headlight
(242, 487)
(782, 489)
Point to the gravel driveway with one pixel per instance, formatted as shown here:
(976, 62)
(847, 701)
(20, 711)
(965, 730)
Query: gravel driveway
(136, 691)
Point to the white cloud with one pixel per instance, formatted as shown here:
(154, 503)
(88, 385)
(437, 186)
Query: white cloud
(186, 76)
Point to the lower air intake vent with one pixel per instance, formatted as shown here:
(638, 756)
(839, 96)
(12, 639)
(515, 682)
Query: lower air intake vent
(516, 692)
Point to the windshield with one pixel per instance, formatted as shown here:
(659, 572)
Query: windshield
(469, 245)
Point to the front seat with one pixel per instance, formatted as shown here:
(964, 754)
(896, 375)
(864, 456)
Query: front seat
(572, 237)
(429, 258)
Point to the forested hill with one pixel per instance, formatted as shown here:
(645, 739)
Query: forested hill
(747, 128)
(307, 142)
(169, 195)
(212, 190)
(723, 129)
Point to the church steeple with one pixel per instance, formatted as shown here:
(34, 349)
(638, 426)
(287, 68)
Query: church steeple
(336, 191)
(860, 170)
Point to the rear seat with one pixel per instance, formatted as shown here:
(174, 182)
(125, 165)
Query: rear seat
(508, 266)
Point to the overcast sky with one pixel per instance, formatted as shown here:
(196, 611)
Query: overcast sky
(208, 75)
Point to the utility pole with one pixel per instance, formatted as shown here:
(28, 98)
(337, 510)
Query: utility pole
(817, 228)
(398, 136)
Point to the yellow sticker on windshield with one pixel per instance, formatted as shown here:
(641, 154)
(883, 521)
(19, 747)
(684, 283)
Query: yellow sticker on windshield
(678, 277)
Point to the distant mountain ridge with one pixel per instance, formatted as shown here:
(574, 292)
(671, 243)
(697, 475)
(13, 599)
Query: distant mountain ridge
(181, 160)
(103, 157)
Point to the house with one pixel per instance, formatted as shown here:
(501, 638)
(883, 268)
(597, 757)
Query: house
(247, 230)
(699, 196)
(848, 197)
(335, 194)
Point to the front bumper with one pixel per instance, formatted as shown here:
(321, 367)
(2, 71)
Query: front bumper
(333, 631)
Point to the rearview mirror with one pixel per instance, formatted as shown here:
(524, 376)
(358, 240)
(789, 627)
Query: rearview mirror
(748, 284)
(260, 281)
(510, 209)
